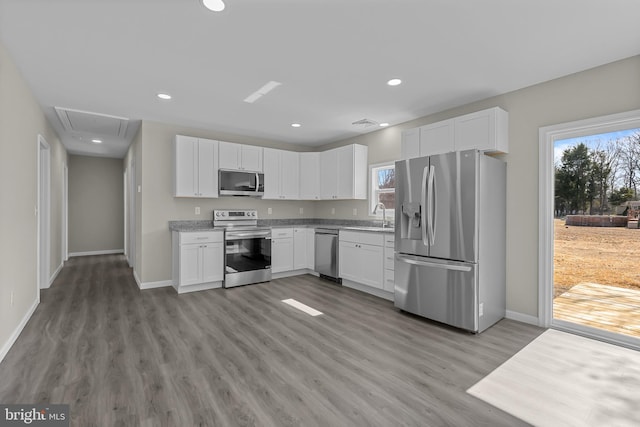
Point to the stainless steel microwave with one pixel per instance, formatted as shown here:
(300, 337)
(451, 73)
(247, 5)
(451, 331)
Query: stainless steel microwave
(240, 183)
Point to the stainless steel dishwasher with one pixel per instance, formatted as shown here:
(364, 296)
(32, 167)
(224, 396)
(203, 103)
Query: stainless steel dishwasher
(326, 256)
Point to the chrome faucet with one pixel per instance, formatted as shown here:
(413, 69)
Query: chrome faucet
(384, 213)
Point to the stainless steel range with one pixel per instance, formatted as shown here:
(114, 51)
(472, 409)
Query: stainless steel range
(247, 247)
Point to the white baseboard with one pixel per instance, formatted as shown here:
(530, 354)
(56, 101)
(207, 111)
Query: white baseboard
(521, 317)
(55, 274)
(153, 285)
(16, 333)
(89, 253)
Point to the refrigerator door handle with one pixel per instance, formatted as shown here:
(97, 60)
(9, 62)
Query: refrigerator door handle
(414, 261)
(432, 203)
(423, 214)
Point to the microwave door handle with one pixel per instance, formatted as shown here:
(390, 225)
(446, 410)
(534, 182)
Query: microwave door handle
(423, 204)
(432, 205)
(257, 182)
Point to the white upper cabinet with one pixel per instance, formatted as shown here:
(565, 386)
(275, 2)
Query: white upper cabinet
(240, 157)
(486, 130)
(410, 143)
(343, 173)
(437, 138)
(195, 167)
(281, 174)
(310, 176)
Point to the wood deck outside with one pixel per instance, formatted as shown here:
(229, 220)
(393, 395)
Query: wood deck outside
(605, 307)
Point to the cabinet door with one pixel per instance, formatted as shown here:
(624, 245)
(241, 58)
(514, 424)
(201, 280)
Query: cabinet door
(346, 172)
(185, 167)
(311, 248)
(207, 168)
(272, 171)
(228, 155)
(289, 175)
(486, 130)
(328, 174)
(349, 261)
(281, 255)
(251, 158)
(190, 265)
(410, 143)
(300, 248)
(212, 262)
(309, 176)
(437, 138)
(371, 263)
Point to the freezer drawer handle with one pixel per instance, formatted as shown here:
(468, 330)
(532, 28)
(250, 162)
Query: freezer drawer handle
(414, 261)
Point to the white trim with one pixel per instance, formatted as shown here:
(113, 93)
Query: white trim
(390, 212)
(90, 253)
(18, 330)
(153, 285)
(65, 212)
(55, 274)
(547, 136)
(137, 279)
(521, 317)
(43, 214)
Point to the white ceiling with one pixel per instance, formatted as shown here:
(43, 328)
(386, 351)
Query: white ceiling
(333, 58)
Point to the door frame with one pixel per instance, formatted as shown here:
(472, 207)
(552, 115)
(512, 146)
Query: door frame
(43, 211)
(65, 213)
(547, 137)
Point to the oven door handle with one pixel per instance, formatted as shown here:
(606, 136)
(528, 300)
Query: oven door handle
(251, 235)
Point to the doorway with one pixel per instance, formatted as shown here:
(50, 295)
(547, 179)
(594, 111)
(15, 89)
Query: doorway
(44, 215)
(578, 211)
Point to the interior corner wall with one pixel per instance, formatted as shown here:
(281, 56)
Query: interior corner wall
(608, 89)
(158, 205)
(21, 121)
(96, 205)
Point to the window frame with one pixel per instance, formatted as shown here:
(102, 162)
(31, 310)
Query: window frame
(373, 190)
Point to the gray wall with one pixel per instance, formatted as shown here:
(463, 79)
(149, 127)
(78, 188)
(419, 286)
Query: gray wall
(21, 120)
(96, 204)
(604, 90)
(158, 206)
(600, 91)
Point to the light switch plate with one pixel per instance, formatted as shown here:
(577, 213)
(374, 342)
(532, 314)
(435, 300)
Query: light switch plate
(333, 211)
(269, 211)
(301, 210)
(355, 211)
(197, 210)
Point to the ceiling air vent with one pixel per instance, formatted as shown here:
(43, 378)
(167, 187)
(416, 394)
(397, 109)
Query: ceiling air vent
(365, 123)
(92, 123)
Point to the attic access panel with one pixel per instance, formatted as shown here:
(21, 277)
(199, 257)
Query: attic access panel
(92, 123)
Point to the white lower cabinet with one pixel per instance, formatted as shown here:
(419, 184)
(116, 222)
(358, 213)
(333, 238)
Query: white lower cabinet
(281, 250)
(361, 258)
(303, 248)
(389, 267)
(198, 260)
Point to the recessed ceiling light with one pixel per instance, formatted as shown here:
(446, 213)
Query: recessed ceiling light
(295, 125)
(164, 96)
(394, 82)
(384, 125)
(214, 5)
(96, 141)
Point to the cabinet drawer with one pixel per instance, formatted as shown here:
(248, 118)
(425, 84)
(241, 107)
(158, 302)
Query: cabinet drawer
(376, 239)
(388, 260)
(389, 240)
(389, 280)
(200, 237)
(280, 233)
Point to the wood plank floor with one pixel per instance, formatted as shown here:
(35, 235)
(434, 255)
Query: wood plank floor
(121, 356)
(611, 308)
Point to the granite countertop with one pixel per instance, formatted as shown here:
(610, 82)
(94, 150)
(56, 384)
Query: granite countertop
(355, 225)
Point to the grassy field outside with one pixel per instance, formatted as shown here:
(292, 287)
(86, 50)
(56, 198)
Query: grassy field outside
(604, 255)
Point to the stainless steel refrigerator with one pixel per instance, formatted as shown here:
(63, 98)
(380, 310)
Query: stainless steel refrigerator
(450, 238)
